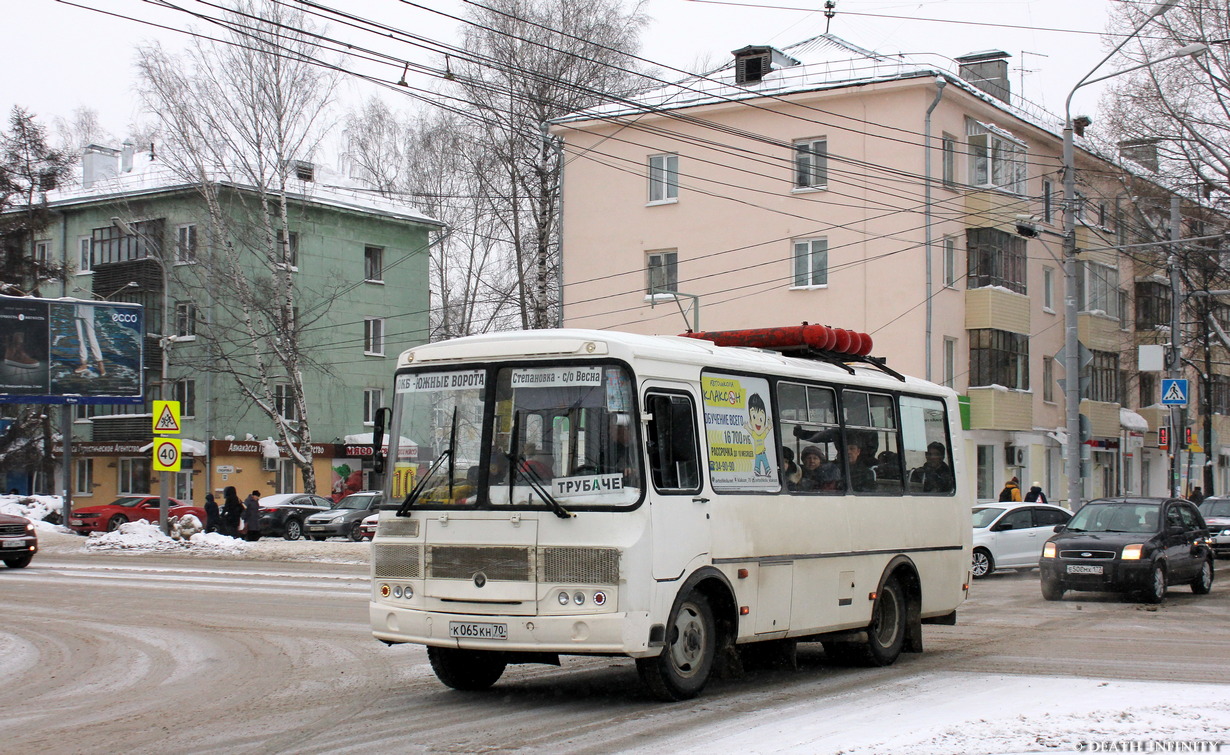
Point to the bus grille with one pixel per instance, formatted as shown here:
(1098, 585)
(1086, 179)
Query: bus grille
(397, 561)
(505, 564)
(595, 566)
(397, 527)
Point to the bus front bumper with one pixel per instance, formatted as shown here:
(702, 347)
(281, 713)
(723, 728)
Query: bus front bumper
(601, 633)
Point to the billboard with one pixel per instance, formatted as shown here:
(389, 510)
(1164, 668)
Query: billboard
(69, 351)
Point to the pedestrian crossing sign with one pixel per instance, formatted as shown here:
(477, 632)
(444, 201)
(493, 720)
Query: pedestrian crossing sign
(1174, 392)
(166, 416)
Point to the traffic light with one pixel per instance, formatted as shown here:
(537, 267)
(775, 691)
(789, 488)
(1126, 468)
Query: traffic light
(1163, 437)
(1187, 436)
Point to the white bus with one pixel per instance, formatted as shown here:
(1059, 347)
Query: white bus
(665, 498)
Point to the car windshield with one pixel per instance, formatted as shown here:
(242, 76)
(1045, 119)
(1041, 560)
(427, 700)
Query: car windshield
(984, 516)
(128, 502)
(1117, 517)
(356, 502)
(1211, 507)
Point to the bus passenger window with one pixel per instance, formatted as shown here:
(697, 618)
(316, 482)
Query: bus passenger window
(671, 439)
(925, 447)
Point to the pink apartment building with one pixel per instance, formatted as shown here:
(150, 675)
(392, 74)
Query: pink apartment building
(830, 184)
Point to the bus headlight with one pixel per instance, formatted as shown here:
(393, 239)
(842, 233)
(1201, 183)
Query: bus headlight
(1132, 552)
(1048, 550)
(563, 598)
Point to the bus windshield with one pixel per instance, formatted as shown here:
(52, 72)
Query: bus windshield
(557, 437)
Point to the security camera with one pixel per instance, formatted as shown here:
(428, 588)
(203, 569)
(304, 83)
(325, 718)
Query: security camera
(1027, 226)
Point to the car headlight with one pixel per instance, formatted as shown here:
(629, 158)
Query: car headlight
(1132, 552)
(338, 518)
(1048, 550)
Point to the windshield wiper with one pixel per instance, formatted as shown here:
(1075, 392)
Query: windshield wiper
(515, 466)
(445, 455)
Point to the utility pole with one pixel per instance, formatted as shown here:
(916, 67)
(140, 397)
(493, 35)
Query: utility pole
(1176, 345)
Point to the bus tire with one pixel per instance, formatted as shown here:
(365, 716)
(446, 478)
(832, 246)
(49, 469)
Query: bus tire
(467, 670)
(886, 634)
(681, 670)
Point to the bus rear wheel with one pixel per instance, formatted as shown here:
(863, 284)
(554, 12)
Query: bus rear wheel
(885, 634)
(468, 670)
(681, 670)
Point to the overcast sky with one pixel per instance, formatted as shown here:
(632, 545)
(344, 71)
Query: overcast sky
(59, 56)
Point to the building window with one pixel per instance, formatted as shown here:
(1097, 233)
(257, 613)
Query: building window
(289, 245)
(811, 263)
(185, 243)
(373, 336)
(948, 150)
(1048, 379)
(83, 477)
(183, 485)
(1152, 305)
(998, 357)
(1103, 372)
(663, 178)
(1048, 209)
(373, 264)
(125, 241)
(1220, 394)
(1149, 393)
(83, 412)
(1048, 288)
(185, 319)
(997, 159)
(134, 476)
(662, 272)
(84, 264)
(950, 260)
(284, 402)
(185, 394)
(950, 362)
(286, 476)
(811, 164)
(995, 258)
(372, 398)
(1100, 292)
(42, 252)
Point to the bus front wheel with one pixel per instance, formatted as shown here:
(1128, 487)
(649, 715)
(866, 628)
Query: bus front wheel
(468, 670)
(683, 667)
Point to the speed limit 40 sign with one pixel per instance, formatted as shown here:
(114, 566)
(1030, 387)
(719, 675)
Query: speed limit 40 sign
(166, 455)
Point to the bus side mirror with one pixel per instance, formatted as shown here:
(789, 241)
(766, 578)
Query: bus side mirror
(380, 422)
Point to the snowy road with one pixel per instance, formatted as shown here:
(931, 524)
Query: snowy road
(153, 653)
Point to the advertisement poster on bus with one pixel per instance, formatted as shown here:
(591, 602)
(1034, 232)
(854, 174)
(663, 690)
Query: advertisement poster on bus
(70, 351)
(739, 428)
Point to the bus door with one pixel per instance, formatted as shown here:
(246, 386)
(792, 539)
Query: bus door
(679, 510)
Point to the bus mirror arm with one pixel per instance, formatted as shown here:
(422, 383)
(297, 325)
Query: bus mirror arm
(380, 421)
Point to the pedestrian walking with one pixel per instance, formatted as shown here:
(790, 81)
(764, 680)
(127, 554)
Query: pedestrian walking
(213, 517)
(232, 512)
(1197, 496)
(252, 517)
(1011, 492)
(1035, 494)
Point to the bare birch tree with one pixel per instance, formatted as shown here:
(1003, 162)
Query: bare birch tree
(234, 120)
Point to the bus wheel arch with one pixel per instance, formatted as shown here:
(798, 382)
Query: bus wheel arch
(699, 633)
(905, 572)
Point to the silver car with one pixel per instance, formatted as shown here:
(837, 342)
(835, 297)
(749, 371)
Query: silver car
(1216, 513)
(346, 516)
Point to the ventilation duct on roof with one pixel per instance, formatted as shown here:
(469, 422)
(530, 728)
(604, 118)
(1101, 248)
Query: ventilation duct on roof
(754, 62)
(988, 70)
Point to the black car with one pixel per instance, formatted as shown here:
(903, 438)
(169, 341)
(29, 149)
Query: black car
(346, 516)
(1129, 545)
(282, 515)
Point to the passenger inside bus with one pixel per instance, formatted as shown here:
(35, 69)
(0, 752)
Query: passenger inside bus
(860, 450)
(934, 476)
(623, 450)
(818, 472)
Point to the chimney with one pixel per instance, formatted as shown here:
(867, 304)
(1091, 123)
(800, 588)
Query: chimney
(1143, 152)
(987, 70)
(98, 163)
(126, 152)
(754, 62)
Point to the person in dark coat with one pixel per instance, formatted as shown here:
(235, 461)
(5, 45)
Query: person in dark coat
(1197, 496)
(232, 511)
(1035, 494)
(252, 516)
(213, 517)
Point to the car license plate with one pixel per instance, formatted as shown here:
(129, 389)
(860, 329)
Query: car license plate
(76, 522)
(12, 542)
(315, 529)
(1083, 569)
(476, 631)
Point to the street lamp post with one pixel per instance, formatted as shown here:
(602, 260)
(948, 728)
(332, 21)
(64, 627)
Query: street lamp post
(1071, 343)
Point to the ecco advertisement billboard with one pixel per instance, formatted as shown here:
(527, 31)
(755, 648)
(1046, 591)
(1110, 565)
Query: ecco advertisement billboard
(66, 351)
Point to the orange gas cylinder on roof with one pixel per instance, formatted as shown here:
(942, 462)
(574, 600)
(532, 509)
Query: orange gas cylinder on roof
(792, 337)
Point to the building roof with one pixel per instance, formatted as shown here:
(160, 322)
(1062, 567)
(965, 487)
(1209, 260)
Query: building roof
(150, 176)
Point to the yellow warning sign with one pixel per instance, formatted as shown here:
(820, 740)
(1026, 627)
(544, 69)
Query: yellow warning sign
(166, 416)
(166, 454)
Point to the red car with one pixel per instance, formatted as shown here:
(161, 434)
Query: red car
(18, 542)
(131, 508)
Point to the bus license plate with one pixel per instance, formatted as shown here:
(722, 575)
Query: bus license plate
(463, 630)
(1083, 569)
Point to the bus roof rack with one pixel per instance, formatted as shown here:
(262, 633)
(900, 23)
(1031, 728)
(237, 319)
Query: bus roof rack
(836, 346)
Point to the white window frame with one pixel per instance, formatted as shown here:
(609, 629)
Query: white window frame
(186, 244)
(950, 362)
(663, 178)
(125, 474)
(42, 252)
(948, 160)
(811, 164)
(368, 255)
(283, 402)
(1048, 379)
(185, 321)
(1048, 289)
(286, 474)
(803, 263)
(184, 391)
(83, 476)
(373, 336)
(84, 261)
(997, 159)
(1101, 289)
(661, 273)
(293, 248)
(372, 398)
(950, 261)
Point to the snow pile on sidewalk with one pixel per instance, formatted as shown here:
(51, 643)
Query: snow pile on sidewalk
(33, 507)
(144, 536)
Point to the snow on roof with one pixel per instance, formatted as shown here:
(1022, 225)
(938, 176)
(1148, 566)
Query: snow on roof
(152, 176)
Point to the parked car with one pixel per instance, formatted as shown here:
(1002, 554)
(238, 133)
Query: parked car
(1129, 545)
(18, 541)
(1010, 535)
(132, 508)
(368, 526)
(346, 516)
(283, 514)
(1216, 513)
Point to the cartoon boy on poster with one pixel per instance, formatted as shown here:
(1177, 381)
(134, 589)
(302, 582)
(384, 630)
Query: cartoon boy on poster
(757, 426)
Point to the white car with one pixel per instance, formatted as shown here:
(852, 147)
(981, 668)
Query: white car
(368, 526)
(1010, 535)
(1216, 512)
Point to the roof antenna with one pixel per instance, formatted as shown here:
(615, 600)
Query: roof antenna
(830, 10)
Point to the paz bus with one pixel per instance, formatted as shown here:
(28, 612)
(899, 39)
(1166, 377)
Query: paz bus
(673, 499)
